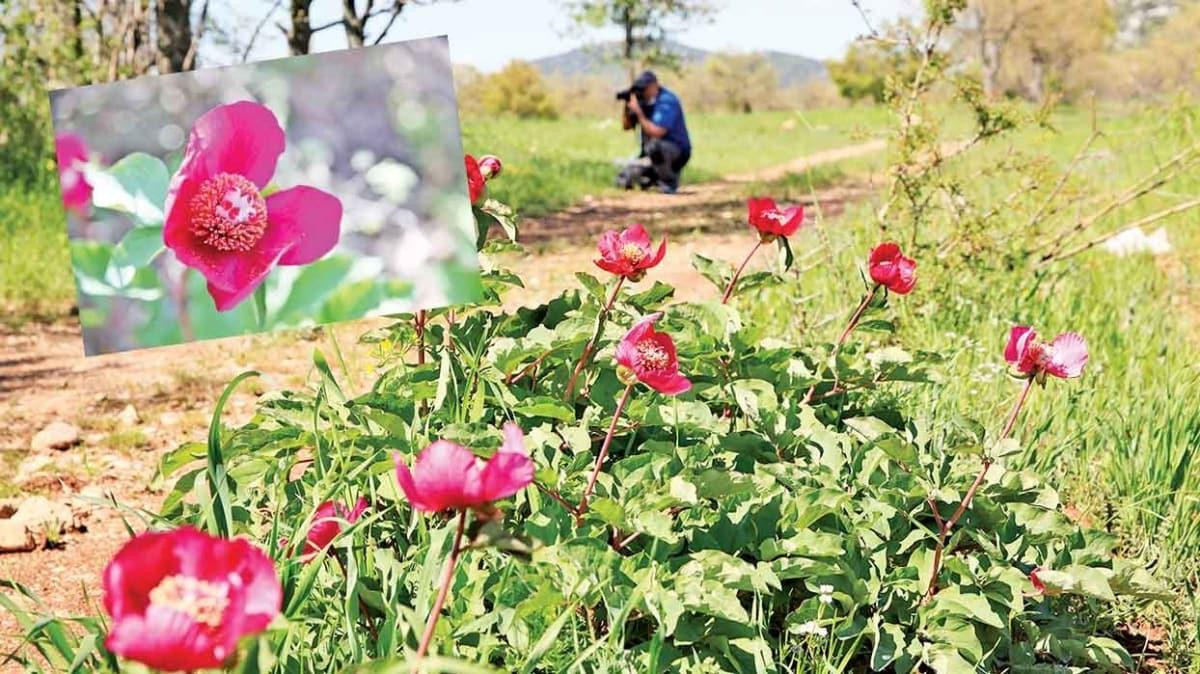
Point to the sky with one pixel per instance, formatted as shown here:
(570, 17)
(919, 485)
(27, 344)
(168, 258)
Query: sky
(487, 34)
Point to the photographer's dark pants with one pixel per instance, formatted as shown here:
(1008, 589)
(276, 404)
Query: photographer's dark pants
(668, 160)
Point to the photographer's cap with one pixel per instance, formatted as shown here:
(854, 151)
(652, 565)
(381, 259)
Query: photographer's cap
(645, 79)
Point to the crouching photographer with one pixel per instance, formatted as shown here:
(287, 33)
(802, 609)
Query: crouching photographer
(666, 146)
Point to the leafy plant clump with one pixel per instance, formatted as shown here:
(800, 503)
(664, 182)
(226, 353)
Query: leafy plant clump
(782, 514)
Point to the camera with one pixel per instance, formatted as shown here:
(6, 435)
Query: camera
(626, 94)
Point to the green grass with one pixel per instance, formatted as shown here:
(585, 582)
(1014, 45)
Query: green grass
(552, 164)
(35, 272)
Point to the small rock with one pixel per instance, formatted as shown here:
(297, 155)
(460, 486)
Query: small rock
(40, 514)
(8, 506)
(15, 537)
(58, 435)
(170, 419)
(129, 416)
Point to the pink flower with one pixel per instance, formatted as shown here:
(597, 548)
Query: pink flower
(490, 167)
(219, 223)
(772, 221)
(328, 522)
(449, 476)
(891, 269)
(476, 184)
(1063, 358)
(71, 153)
(649, 357)
(629, 253)
(181, 600)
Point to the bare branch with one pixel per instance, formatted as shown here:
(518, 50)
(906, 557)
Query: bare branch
(258, 29)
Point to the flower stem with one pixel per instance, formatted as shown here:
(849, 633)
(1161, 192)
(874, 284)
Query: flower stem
(589, 350)
(738, 274)
(447, 577)
(612, 428)
(419, 325)
(858, 314)
(947, 525)
(850, 326)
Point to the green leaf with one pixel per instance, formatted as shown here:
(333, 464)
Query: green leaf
(220, 511)
(544, 407)
(137, 248)
(973, 607)
(888, 641)
(594, 287)
(718, 273)
(136, 185)
(786, 258)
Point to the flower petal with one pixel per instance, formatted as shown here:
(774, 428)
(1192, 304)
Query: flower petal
(1069, 356)
(636, 234)
(658, 257)
(308, 218)
(668, 383)
(243, 138)
(445, 476)
(1018, 337)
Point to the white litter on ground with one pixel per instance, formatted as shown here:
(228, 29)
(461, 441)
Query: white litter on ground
(1134, 240)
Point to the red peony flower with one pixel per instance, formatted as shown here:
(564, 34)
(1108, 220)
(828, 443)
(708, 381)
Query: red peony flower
(490, 167)
(71, 153)
(181, 600)
(892, 270)
(771, 221)
(629, 253)
(328, 522)
(449, 476)
(476, 184)
(217, 220)
(1063, 358)
(649, 357)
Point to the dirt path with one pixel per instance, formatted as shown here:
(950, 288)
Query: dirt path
(713, 206)
(171, 391)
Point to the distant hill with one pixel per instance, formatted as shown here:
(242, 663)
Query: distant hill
(793, 69)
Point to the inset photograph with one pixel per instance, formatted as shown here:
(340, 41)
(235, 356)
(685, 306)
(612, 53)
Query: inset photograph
(300, 191)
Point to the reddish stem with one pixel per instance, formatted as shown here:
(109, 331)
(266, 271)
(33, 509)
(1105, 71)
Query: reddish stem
(612, 428)
(419, 324)
(858, 314)
(447, 576)
(853, 323)
(947, 525)
(738, 274)
(590, 349)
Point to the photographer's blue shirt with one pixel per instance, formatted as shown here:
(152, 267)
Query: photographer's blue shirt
(668, 113)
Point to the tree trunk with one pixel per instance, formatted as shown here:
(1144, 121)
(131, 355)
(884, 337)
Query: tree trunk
(355, 25)
(174, 19)
(300, 36)
(991, 69)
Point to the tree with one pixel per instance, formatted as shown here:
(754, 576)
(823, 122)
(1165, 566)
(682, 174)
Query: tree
(864, 72)
(644, 24)
(518, 90)
(356, 16)
(1027, 46)
(740, 82)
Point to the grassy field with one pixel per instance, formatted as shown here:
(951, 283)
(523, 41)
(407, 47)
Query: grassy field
(35, 277)
(550, 164)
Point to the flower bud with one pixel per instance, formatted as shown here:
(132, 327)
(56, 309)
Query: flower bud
(490, 166)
